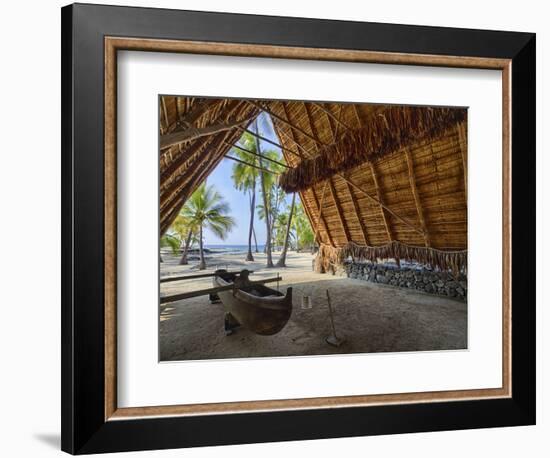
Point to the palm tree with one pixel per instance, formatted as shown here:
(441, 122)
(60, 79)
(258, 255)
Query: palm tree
(274, 194)
(186, 231)
(170, 240)
(302, 228)
(263, 179)
(282, 259)
(207, 209)
(244, 178)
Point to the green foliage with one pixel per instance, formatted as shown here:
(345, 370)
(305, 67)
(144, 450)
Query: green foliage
(206, 208)
(171, 240)
(244, 176)
(302, 228)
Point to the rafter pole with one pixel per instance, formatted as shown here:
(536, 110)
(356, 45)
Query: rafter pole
(177, 163)
(329, 113)
(192, 133)
(258, 155)
(267, 140)
(312, 189)
(164, 112)
(339, 210)
(320, 213)
(383, 207)
(197, 111)
(463, 142)
(281, 119)
(357, 214)
(250, 165)
(379, 195)
(201, 169)
(414, 189)
(356, 111)
(333, 132)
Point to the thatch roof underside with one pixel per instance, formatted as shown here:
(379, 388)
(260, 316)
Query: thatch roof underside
(370, 176)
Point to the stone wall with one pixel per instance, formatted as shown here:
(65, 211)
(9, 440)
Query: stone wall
(411, 276)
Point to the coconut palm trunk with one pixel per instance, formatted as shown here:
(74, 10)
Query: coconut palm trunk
(255, 240)
(183, 260)
(202, 264)
(282, 259)
(249, 256)
(269, 262)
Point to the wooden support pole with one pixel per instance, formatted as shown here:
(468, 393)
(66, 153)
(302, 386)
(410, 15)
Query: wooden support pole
(414, 189)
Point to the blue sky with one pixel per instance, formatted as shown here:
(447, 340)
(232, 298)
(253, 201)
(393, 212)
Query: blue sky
(220, 178)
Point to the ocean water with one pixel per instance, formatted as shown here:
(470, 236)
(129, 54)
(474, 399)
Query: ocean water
(217, 248)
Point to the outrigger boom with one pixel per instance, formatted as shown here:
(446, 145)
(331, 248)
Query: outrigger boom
(217, 289)
(192, 277)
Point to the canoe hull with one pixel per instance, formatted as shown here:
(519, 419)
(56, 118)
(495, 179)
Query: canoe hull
(262, 310)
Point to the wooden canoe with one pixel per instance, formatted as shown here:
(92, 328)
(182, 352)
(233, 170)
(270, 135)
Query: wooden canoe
(260, 309)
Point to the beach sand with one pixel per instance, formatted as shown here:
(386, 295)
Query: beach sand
(370, 317)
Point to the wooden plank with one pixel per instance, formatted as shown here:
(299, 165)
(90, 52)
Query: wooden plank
(191, 277)
(217, 289)
(414, 189)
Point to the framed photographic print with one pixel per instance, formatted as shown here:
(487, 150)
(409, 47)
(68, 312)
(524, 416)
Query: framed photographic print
(281, 228)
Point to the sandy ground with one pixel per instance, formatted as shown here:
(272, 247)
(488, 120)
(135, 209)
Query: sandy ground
(370, 317)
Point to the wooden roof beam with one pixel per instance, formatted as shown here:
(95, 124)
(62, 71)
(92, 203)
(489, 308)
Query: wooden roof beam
(320, 217)
(305, 204)
(339, 210)
(193, 133)
(331, 114)
(414, 189)
(463, 142)
(333, 132)
(380, 200)
(201, 169)
(358, 214)
(288, 123)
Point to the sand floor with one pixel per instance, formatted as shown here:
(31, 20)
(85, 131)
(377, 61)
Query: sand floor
(370, 317)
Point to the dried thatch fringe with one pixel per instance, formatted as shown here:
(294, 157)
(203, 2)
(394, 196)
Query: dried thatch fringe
(329, 257)
(385, 133)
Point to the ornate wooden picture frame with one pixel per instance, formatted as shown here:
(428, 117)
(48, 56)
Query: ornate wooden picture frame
(92, 35)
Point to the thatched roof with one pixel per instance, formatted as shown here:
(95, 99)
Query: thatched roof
(368, 175)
